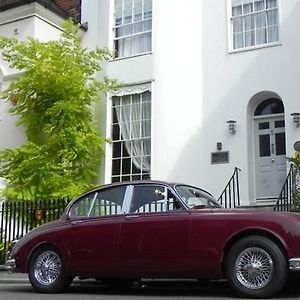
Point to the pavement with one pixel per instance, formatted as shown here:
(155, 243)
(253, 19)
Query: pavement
(21, 278)
(14, 278)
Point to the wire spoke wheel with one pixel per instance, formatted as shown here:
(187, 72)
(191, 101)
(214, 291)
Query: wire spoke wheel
(47, 268)
(254, 268)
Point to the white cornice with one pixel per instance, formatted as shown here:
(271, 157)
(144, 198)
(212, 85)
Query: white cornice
(30, 10)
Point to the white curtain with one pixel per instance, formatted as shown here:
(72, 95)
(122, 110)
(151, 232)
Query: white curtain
(136, 44)
(134, 118)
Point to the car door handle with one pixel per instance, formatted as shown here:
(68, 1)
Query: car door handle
(132, 217)
(76, 222)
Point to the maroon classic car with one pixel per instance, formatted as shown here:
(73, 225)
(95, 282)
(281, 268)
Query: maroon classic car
(152, 229)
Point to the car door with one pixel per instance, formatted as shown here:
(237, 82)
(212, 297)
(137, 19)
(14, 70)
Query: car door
(154, 234)
(207, 236)
(93, 232)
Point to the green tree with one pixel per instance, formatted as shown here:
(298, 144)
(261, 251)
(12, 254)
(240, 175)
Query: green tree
(52, 100)
(295, 188)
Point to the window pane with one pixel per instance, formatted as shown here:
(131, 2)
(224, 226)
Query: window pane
(115, 179)
(138, 10)
(279, 124)
(126, 166)
(147, 9)
(261, 36)
(249, 23)
(138, 27)
(237, 10)
(272, 18)
(269, 106)
(259, 5)
(249, 38)
(273, 34)
(118, 12)
(238, 40)
(117, 149)
(248, 8)
(237, 25)
(263, 125)
(271, 3)
(100, 203)
(264, 145)
(260, 20)
(116, 167)
(280, 143)
(151, 199)
(116, 132)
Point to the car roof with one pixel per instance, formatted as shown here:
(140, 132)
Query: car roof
(140, 182)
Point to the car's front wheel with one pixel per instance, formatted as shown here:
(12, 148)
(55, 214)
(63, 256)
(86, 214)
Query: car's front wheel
(256, 267)
(46, 271)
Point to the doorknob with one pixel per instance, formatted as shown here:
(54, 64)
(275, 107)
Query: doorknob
(76, 222)
(273, 159)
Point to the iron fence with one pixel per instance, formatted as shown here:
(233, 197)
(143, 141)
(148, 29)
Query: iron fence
(19, 217)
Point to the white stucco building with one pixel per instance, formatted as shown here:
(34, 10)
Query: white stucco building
(187, 68)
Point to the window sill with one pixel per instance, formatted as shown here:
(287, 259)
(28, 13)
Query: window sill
(131, 56)
(256, 47)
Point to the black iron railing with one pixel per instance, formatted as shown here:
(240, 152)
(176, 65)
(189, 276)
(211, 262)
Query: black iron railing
(19, 217)
(285, 199)
(230, 197)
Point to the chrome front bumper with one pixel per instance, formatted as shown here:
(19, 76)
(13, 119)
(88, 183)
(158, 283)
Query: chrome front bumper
(10, 263)
(294, 264)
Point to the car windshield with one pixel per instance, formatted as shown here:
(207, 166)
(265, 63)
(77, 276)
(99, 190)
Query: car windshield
(196, 198)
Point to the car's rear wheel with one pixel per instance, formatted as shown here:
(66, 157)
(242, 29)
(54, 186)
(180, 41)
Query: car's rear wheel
(256, 267)
(46, 271)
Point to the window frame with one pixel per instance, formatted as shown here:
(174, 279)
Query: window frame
(256, 46)
(124, 207)
(168, 189)
(115, 27)
(131, 175)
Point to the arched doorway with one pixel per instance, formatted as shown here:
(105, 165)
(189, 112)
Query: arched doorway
(270, 149)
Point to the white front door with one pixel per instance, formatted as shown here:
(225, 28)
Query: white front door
(270, 156)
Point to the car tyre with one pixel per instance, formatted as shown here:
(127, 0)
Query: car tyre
(46, 271)
(256, 267)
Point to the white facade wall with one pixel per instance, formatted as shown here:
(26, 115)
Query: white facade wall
(230, 80)
(198, 84)
(31, 20)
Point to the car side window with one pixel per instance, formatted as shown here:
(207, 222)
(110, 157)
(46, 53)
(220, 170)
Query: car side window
(99, 203)
(196, 198)
(148, 199)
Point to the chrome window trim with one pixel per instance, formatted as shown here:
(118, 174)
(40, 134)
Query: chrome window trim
(127, 199)
(168, 188)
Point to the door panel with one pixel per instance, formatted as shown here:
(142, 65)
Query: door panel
(154, 235)
(155, 243)
(92, 245)
(270, 157)
(92, 235)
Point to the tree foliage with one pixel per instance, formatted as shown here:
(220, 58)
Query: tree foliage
(52, 100)
(295, 188)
